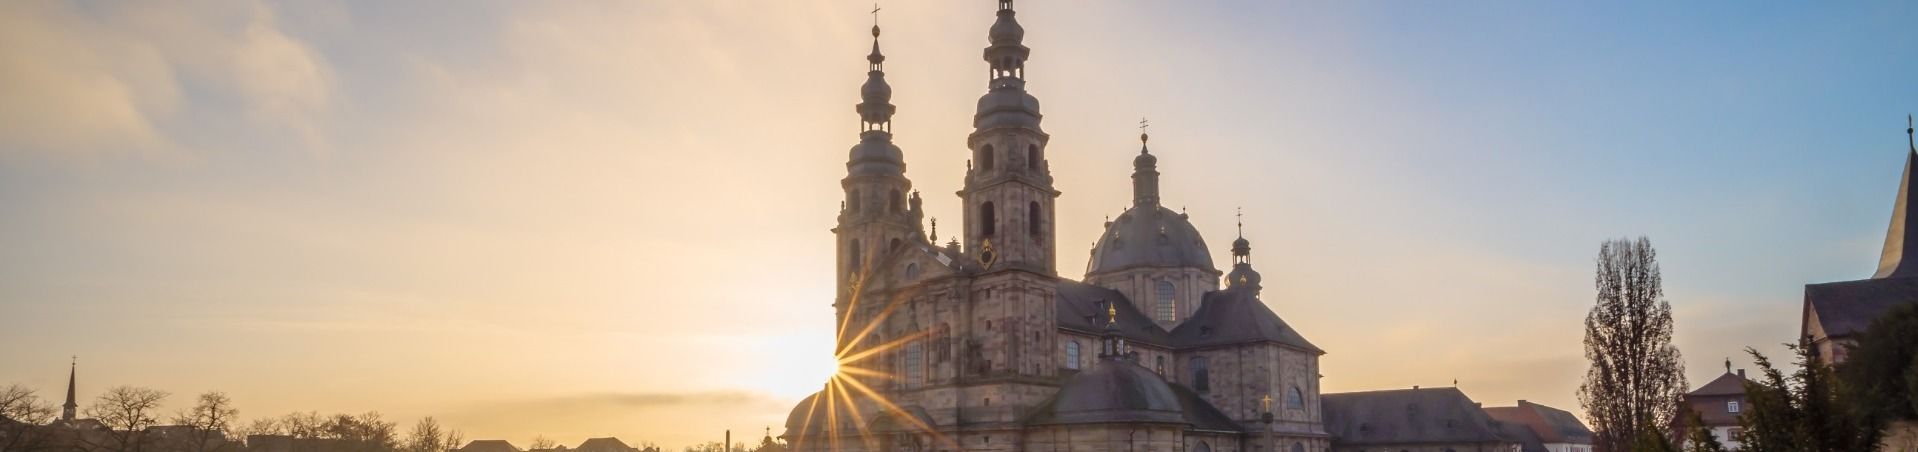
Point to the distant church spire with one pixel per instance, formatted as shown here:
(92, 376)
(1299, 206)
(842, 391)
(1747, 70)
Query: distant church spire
(1898, 240)
(67, 411)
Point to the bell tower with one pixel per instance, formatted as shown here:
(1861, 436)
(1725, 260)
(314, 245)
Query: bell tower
(880, 213)
(1008, 195)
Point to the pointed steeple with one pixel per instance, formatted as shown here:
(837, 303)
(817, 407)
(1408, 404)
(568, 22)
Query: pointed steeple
(67, 411)
(1899, 243)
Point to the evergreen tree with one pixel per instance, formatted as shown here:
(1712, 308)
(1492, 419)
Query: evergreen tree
(1801, 412)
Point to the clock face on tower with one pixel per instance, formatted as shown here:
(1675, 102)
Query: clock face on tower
(987, 255)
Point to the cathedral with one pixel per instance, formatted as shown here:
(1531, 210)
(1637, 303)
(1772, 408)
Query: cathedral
(981, 344)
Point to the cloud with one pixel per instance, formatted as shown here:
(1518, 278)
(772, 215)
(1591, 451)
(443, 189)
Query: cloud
(108, 79)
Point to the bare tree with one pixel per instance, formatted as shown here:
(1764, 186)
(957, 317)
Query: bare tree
(127, 411)
(541, 442)
(364, 433)
(210, 421)
(1636, 377)
(21, 413)
(428, 436)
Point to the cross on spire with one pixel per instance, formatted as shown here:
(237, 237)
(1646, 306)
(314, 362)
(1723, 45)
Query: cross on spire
(875, 14)
(1241, 215)
(1143, 124)
(1909, 141)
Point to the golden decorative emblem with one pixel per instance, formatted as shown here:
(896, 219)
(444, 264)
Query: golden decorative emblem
(987, 255)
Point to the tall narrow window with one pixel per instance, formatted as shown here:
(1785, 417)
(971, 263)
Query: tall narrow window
(1201, 376)
(893, 204)
(1159, 365)
(1032, 157)
(985, 158)
(853, 257)
(1167, 308)
(856, 201)
(1034, 219)
(1072, 355)
(1295, 399)
(988, 219)
(915, 363)
(893, 245)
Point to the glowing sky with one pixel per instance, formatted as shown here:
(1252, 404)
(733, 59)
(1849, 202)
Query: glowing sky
(584, 219)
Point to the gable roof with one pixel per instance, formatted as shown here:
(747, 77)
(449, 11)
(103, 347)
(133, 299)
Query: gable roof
(1842, 309)
(608, 444)
(1078, 308)
(1727, 384)
(1234, 316)
(1549, 425)
(1403, 416)
(489, 445)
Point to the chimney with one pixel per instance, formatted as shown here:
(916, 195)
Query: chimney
(1415, 387)
(1741, 373)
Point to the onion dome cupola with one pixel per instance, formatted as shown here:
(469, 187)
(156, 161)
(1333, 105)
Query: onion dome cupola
(1007, 103)
(1242, 274)
(875, 153)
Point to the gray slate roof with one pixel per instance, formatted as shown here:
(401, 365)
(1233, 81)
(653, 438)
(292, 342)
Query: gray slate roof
(1409, 416)
(1112, 391)
(1149, 236)
(1847, 308)
(1234, 316)
(1079, 309)
(1727, 384)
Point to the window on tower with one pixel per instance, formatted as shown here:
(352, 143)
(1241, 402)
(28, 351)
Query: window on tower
(1032, 157)
(1034, 219)
(988, 219)
(893, 202)
(852, 257)
(855, 201)
(985, 158)
(1167, 308)
(1295, 399)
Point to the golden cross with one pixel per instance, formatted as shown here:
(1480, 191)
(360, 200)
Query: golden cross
(1266, 402)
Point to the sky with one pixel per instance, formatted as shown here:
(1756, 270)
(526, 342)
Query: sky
(580, 219)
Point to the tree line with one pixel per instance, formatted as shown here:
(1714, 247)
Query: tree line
(1633, 390)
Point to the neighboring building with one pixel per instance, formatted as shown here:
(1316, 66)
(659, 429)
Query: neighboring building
(488, 445)
(1718, 404)
(1417, 419)
(608, 444)
(1548, 429)
(1834, 312)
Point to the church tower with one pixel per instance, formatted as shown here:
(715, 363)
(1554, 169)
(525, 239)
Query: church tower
(881, 213)
(68, 410)
(1008, 195)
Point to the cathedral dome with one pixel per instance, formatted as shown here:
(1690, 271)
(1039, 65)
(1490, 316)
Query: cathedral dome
(1113, 390)
(804, 415)
(1149, 236)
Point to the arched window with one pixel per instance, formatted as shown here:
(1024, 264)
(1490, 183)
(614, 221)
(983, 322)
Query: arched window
(856, 201)
(1202, 447)
(893, 203)
(915, 363)
(1159, 365)
(985, 158)
(1034, 218)
(912, 271)
(1298, 447)
(1072, 355)
(893, 245)
(1295, 399)
(1167, 308)
(1201, 376)
(853, 257)
(988, 219)
(1032, 157)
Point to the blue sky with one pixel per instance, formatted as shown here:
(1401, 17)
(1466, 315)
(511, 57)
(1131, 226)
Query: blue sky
(614, 214)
